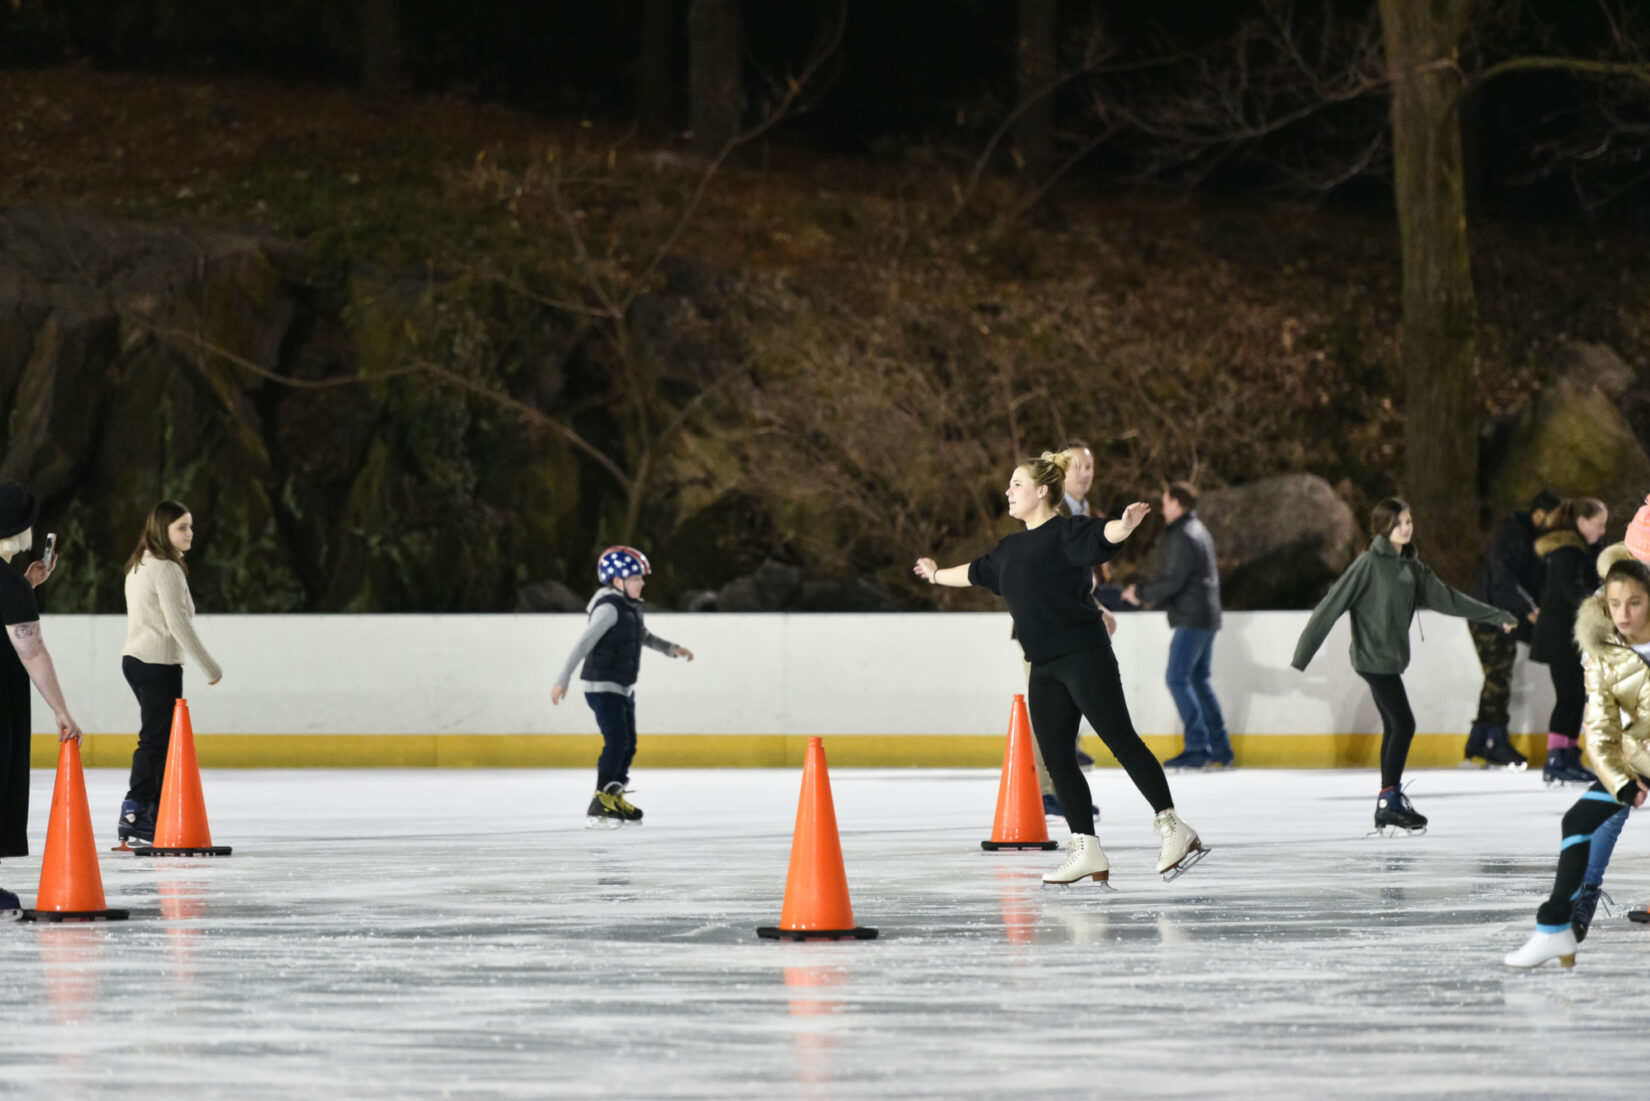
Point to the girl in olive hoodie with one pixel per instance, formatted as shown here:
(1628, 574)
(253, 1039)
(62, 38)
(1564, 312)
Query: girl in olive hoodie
(1382, 590)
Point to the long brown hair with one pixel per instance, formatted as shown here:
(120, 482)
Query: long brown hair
(154, 538)
(1564, 517)
(1384, 516)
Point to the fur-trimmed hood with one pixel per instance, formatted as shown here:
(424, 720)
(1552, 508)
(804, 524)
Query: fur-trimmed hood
(1595, 631)
(1554, 540)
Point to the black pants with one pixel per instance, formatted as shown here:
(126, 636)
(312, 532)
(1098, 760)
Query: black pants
(1570, 688)
(1065, 690)
(1595, 807)
(14, 761)
(157, 688)
(1397, 723)
(616, 718)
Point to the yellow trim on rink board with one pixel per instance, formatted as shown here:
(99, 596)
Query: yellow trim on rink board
(728, 750)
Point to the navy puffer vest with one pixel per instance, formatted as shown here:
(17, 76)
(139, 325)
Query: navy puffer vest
(617, 657)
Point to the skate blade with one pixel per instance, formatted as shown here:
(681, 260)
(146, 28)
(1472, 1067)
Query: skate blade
(601, 824)
(1474, 762)
(1186, 864)
(1395, 831)
(1100, 884)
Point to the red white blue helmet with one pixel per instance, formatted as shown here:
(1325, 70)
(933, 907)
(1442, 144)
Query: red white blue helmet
(621, 562)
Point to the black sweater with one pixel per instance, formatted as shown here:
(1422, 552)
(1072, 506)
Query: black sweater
(1044, 575)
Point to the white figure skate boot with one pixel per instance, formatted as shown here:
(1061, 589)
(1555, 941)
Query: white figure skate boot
(1542, 947)
(1181, 846)
(1084, 857)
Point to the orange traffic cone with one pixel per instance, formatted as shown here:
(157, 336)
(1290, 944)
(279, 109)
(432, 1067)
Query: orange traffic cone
(71, 887)
(180, 826)
(1019, 823)
(816, 890)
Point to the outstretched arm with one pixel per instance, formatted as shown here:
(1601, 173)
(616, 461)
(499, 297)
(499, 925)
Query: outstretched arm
(1121, 528)
(953, 577)
(31, 649)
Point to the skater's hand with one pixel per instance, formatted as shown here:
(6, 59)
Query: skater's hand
(1638, 800)
(558, 692)
(69, 731)
(1110, 621)
(37, 573)
(214, 680)
(926, 568)
(1509, 626)
(1129, 596)
(1535, 614)
(1134, 514)
(682, 652)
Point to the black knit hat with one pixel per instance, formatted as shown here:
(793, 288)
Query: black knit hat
(18, 510)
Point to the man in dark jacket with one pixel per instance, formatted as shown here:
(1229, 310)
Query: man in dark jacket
(1510, 579)
(1190, 590)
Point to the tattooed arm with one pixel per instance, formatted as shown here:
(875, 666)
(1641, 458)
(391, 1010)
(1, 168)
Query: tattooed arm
(31, 648)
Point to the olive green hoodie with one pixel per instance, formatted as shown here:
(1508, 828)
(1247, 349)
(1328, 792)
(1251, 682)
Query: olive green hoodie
(1382, 589)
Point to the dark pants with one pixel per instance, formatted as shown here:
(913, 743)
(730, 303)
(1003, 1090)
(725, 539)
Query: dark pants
(1570, 688)
(616, 716)
(158, 689)
(1397, 723)
(1497, 652)
(1188, 678)
(1595, 807)
(1062, 692)
(14, 761)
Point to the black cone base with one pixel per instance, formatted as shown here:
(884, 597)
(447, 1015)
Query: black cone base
(211, 850)
(1642, 917)
(74, 915)
(996, 846)
(772, 932)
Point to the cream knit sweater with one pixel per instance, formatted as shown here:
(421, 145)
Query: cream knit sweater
(160, 617)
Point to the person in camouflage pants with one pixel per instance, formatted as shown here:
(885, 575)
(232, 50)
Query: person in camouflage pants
(1510, 579)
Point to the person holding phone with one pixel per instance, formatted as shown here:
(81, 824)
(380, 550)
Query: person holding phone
(24, 660)
(160, 629)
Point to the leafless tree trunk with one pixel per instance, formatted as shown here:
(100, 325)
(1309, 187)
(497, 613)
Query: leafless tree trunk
(716, 59)
(656, 73)
(1440, 312)
(1035, 67)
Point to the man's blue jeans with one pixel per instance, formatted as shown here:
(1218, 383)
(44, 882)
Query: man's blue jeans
(1188, 680)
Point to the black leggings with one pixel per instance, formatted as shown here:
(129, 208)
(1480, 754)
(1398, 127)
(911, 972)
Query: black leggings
(157, 688)
(1570, 690)
(1397, 724)
(1086, 685)
(1595, 807)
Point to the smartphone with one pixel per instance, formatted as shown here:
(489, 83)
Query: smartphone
(50, 557)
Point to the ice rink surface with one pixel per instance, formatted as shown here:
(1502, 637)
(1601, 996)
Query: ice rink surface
(412, 934)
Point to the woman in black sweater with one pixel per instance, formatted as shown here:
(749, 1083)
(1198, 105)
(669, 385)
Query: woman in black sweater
(1568, 551)
(1044, 575)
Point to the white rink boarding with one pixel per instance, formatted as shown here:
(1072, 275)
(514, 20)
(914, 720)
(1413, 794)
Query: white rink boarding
(892, 676)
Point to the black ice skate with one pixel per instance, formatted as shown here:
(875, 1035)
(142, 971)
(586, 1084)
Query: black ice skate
(609, 809)
(1585, 906)
(1499, 752)
(1564, 767)
(1393, 814)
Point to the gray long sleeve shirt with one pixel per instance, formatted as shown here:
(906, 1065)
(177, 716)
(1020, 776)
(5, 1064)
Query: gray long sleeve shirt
(602, 620)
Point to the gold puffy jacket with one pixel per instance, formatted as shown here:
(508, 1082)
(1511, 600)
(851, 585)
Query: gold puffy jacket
(1618, 680)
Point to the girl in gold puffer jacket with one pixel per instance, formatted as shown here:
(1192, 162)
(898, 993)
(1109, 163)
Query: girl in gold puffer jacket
(1613, 631)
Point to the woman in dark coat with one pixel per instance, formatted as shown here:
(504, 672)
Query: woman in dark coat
(1568, 550)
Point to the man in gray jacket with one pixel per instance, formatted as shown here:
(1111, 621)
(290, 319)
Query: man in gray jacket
(1190, 590)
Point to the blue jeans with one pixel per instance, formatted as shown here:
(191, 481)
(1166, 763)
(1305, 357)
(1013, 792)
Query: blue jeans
(1604, 843)
(1188, 680)
(616, 716)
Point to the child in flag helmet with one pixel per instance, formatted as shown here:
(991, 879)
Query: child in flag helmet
(611, 650)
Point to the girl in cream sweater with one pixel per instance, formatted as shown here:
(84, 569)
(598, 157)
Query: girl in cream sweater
(160, 629)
